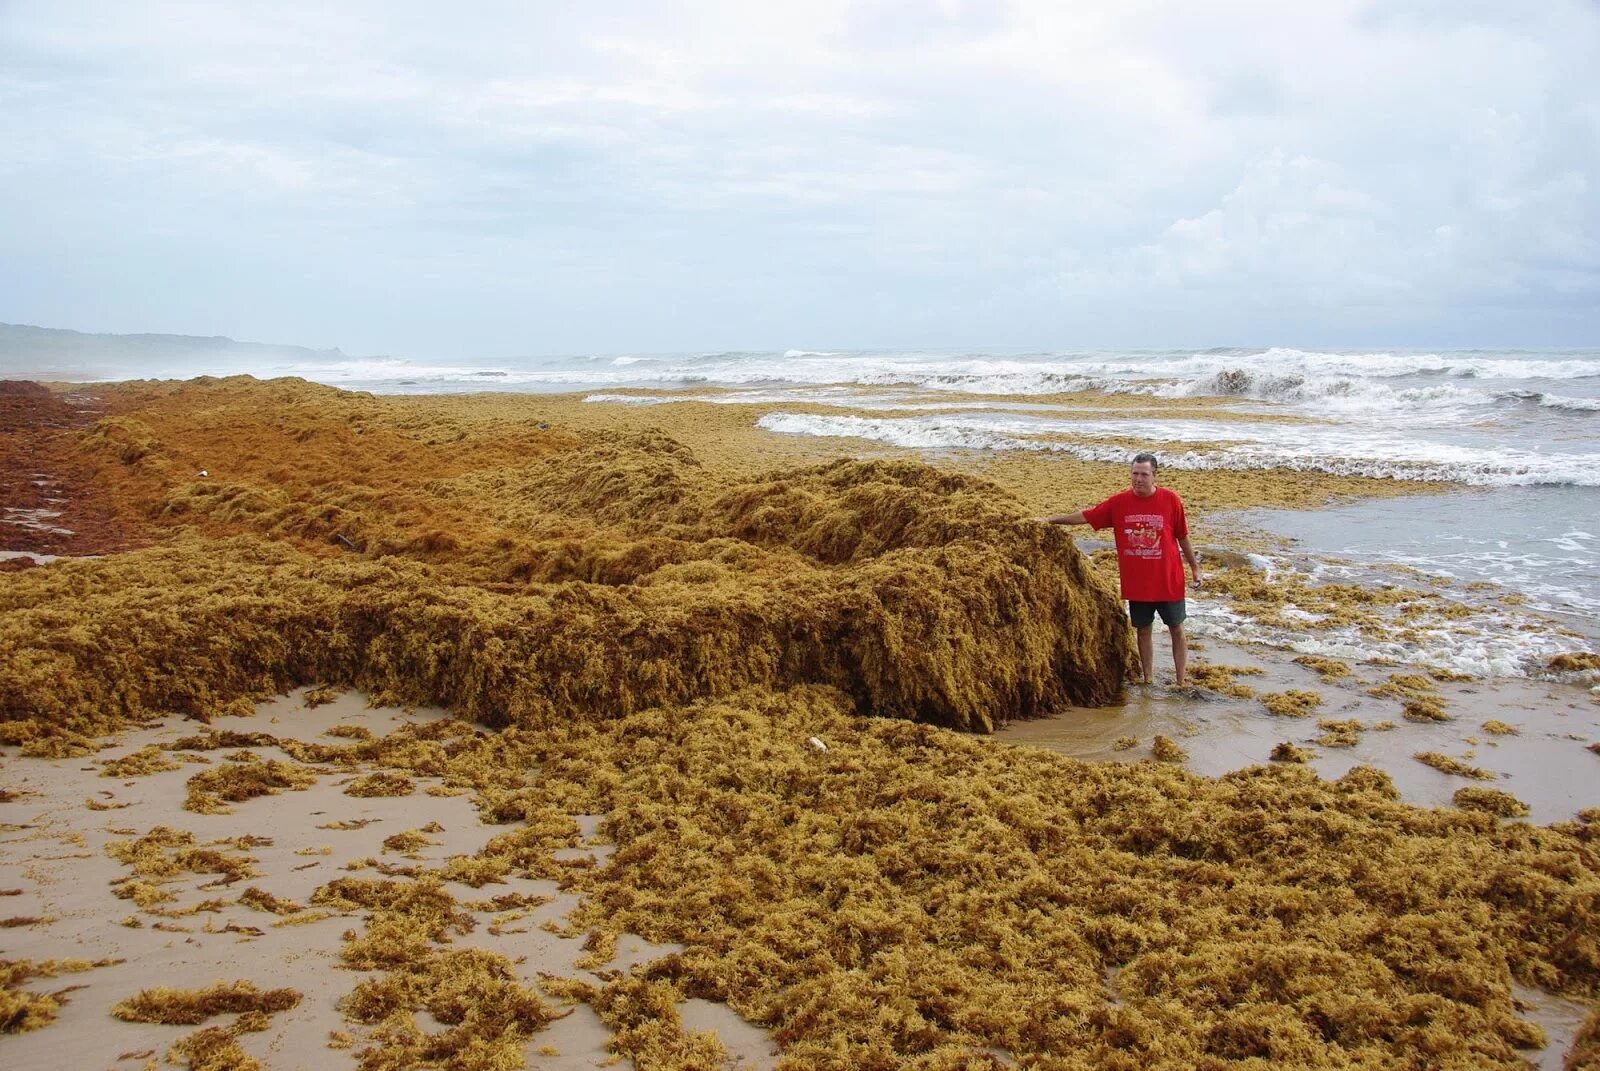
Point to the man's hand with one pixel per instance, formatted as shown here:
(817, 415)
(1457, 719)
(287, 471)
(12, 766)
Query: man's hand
(1193, 559)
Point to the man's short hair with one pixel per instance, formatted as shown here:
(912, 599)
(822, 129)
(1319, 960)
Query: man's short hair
(1151, 458)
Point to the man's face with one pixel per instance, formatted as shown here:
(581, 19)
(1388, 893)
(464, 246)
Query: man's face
(1144, 479)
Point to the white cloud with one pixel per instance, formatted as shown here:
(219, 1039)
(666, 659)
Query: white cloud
(1013, 174)
(1290, 225)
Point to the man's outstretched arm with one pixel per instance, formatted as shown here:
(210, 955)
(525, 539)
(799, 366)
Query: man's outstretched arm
(1066, 518)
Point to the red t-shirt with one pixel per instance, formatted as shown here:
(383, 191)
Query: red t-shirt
(1147, 532)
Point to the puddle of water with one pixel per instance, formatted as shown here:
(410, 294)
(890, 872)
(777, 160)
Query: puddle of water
(1560, 1018)
(1546, 764)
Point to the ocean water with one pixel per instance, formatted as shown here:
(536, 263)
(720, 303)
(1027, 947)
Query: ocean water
(1538, 545)
(1521, 429)
(1490, 418)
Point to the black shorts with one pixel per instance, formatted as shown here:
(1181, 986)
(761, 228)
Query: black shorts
(1143, 613)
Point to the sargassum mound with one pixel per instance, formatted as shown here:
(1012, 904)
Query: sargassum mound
(588, 577)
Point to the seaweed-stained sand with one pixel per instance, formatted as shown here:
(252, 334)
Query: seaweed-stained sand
(901, 894)
(65, 823)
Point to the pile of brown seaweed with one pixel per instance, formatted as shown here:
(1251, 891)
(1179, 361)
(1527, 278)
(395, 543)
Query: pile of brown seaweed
(214, 1048)
(523, 577)
(913, 897)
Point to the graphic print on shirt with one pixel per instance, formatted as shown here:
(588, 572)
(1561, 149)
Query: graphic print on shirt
(1141, 533)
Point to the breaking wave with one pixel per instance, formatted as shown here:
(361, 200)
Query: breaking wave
(1238, 446)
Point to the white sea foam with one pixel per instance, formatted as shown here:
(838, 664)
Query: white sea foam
(639, 399)
(840, 398)
(1357, 384)
(1483, 645)
(1574, 541)
(379, 369)
(1442, 403)
(1575, 405)
(1239, 446)
(1286, 361)
(1331, 392)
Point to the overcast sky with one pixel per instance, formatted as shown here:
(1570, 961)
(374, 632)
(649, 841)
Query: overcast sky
(491, 180)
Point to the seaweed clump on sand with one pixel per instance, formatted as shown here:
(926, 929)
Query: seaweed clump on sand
(1419, 699)
(1490, 801)
(1448, 764)
(164, 854)
(530, 578)
(1327, 669)
(1220, 679)
(1340, 732)
(214, 1048)
(141, 763)
(262, 900)
(1165, 749)
(488, 1015)
(189, 1007)
(1291, 703)
(21, 1009)
(210, 791)
(895, 900)
(642, 1013)
(43, 740)
(381, 783)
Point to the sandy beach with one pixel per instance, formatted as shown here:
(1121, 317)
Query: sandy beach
(204, 925)
(523, 730)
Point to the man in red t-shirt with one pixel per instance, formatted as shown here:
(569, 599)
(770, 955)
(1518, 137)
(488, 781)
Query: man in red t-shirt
(1150, 529)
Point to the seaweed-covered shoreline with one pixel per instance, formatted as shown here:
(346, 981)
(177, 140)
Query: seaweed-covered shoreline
(746, 674)
(578, 577)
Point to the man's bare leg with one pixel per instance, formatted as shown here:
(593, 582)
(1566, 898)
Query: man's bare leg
(1146, 654)
(1180, 652)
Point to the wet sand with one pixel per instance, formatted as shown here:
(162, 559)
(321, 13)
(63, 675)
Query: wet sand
(1545, 762)
(53, 855)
